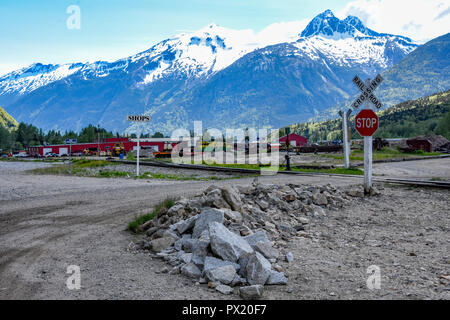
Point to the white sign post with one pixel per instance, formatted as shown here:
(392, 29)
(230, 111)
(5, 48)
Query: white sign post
(70, 141)
(345, 116)
(367, 164)
(368, 98)
(138, 119)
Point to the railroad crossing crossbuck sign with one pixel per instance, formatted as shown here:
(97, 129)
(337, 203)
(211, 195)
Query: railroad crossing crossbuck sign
(367, 90)
(366, 122)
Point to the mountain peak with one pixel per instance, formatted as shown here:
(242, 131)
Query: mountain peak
(328, 24)
(327, 14)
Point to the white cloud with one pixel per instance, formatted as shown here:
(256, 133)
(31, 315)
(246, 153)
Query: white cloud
(282, 32)
(418, 19)
(6, 68)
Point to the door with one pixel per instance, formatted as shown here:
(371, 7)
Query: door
(47, 150)
(63, 151)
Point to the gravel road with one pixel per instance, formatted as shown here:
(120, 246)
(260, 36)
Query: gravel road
(50, 222)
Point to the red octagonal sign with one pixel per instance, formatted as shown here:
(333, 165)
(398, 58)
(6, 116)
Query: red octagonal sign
(366, 122)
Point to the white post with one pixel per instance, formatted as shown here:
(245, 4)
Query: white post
(367, 161)
(138, 147)
(345, 138)
(70, 157)
(367, 164)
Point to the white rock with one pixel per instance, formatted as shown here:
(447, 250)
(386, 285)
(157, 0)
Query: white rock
(277, 278)
(257, 237)
(191, 270)
(251, 292)
(226, 244)
(185, 225)
(204, 219)
(224, 274)
(186, 257)
(320, 199)
(265, 248)
(161, 244)
(224, 289)
(213, 263)
(231, 195)
(289, 257)
(258, 269)
(234, 216)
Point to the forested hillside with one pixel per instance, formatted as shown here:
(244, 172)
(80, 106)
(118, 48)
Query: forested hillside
(6, 121)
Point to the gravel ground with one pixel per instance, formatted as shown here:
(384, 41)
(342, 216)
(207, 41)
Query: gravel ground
(50, 222)
(423, 169)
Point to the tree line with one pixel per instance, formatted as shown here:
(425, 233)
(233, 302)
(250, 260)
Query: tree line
(27, 135)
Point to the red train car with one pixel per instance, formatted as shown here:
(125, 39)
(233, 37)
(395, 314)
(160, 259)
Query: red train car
(102, 147)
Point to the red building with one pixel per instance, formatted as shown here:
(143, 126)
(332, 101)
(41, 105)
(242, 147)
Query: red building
(102, 147)
(294, 140)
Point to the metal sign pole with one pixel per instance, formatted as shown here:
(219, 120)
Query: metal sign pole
(70, 158)
(367, 161)
(138, 147)
(367, 164)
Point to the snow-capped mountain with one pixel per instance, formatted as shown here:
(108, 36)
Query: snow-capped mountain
(222, 76)
(33, 77)
(200, 53)
(206, 51)
(348, 41)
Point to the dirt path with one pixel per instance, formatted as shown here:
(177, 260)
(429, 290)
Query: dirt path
(48, 223)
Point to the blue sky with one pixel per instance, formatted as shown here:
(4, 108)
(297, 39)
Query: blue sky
(35, 31)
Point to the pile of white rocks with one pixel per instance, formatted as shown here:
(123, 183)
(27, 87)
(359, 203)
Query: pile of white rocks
(234, 236)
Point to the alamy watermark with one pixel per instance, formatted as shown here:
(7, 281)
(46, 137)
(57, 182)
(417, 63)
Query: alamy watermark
(73, 22)
(73, 282)
(231, 146)
(374, 280)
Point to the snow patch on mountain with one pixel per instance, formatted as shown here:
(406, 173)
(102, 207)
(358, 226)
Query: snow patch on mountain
(346, 51)
(203, 52)
(35, 76)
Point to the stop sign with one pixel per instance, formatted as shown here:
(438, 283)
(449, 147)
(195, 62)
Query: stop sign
(366, 122)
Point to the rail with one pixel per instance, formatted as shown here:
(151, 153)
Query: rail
(422, 183)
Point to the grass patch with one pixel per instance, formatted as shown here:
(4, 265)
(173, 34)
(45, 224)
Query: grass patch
(86, 163)
(351, 171)
(140, 220)
(112, 174)
(55, 170)
(383, 154)
(78, 167)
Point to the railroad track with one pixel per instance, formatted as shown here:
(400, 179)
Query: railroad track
(421, 183)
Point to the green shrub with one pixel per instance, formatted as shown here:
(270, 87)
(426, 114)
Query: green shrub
(140, 220)
(130, 156)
